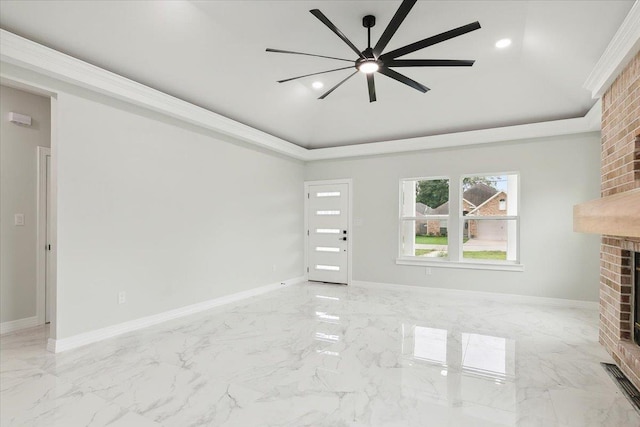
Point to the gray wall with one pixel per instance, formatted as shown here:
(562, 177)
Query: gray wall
(555, 174)
(18, 194)
(170, 214)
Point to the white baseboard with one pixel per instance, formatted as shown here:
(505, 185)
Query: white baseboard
(16, 325)
(510, 298)
(63, 344)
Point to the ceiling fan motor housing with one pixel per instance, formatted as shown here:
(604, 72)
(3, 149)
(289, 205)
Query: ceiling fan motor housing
(369, 21)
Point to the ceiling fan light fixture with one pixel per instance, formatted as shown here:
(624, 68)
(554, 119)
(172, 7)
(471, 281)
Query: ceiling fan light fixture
(368, 67)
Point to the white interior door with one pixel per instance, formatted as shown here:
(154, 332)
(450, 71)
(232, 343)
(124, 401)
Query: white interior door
(328, 231)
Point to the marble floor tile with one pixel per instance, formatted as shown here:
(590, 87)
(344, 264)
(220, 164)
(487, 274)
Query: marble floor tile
(326, 355)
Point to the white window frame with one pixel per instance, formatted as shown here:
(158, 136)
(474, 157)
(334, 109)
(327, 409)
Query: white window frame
(403, 218)
(455, 221)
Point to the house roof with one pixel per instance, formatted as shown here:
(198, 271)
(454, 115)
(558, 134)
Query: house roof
(479, 193)
(207, 53)
(422, 208)
(475, 195)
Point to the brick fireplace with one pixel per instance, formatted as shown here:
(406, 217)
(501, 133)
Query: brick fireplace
(620, 173)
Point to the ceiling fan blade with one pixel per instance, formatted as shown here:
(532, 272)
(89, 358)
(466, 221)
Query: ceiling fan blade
(393, 26)
(325, 21)
(429, 63)
(313, 74)
(372, 87)
(307, 54)
(430, 41)
(336, 86)
(403, 79)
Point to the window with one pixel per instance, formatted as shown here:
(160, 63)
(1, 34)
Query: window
(424, 215)
(472, 225)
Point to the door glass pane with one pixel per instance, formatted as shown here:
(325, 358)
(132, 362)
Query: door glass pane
(490, 239)
(328, 194)
(327, 249)
(328, 267)
(327, 230)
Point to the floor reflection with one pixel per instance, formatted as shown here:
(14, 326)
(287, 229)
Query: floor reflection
(461, 369)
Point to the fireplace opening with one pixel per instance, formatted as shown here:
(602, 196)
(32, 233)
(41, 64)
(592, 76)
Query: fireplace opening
(635, 272)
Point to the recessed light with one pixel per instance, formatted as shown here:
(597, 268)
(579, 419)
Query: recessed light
(317, 85)
(501, 44)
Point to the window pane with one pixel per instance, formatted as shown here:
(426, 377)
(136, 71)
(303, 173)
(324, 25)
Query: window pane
(425, 197)
(432, 197)
(490, 195)
(424, 238)
(490, 239)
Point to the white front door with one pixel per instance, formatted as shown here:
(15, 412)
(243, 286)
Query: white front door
(328, 231)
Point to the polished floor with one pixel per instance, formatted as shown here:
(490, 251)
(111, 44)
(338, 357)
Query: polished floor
(326, 355)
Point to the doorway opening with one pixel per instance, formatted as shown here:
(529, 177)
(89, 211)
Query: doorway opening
(44, 238)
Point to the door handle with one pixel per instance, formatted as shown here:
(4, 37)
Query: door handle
(342, 238)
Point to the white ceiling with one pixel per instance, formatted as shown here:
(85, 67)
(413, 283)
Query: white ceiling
(212, 54)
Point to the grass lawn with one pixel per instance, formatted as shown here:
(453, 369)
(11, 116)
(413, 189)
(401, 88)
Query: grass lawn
(471, 254)
(485, 255)
(433, 240)
(420, 252)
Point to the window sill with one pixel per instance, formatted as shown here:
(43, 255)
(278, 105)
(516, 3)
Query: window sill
(503, 266)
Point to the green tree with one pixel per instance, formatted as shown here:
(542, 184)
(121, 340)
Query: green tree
(433, 192)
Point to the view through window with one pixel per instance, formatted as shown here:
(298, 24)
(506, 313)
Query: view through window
(487, 217)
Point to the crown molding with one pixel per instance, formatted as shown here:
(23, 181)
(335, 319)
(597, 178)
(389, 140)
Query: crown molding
(589, 123)
(26, 54)
(622, 48)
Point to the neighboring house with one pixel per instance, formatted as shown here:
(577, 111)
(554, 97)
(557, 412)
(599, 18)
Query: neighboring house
(481, 200)
(421, 210)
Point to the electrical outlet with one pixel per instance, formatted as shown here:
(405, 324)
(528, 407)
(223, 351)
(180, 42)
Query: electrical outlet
(427, 271)
(18, 219)
(122, 297)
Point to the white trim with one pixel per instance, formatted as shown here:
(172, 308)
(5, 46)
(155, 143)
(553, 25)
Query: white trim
(349, 183)
(59, 345)
(491, 296)
(24, 53)
(41, 233)
(623, 47)
(447, 263)
(16, 325)
(594, 116)
(450, 140)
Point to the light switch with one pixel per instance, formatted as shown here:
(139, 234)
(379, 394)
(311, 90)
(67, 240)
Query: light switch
(18, 219)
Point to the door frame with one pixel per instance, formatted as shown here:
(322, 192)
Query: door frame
(41, 233)
(349, 183)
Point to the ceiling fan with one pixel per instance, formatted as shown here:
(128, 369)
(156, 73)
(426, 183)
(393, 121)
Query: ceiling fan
(372, 60)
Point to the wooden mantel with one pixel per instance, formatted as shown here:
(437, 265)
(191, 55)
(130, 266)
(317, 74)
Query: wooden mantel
(617, 215)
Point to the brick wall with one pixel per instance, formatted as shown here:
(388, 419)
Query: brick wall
(620, 172)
